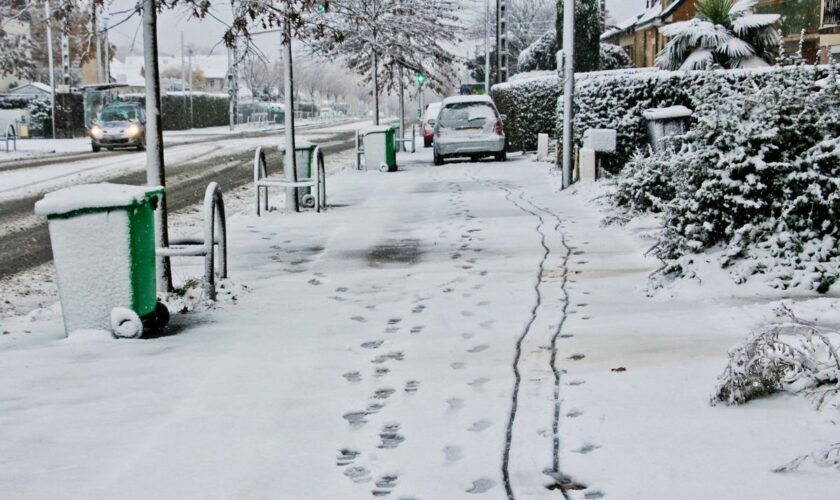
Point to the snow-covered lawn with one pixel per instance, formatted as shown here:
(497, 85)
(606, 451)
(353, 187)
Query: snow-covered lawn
(417, 340)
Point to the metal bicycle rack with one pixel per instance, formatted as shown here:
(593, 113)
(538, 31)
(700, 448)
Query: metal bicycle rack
(11, 135)
(262, 182)
(215, 234)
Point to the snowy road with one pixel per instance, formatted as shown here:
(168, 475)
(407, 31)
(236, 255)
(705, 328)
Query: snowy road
(24, 240)
(440, 333)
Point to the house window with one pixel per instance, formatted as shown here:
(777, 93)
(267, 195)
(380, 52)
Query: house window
(831, 12)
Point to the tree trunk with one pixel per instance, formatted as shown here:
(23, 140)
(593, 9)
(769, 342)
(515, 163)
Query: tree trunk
(401, 146)
(155, 173)
(375, 89)
(289, 162)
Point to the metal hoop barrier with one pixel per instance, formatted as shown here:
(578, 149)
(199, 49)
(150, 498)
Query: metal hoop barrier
(410, 141)
(11, 135)
(215, 235)
(360, 150)
(262, 181)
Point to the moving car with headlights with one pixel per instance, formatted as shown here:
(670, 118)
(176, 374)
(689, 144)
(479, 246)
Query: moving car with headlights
(428, 127)
(469, 126)
(120, 125)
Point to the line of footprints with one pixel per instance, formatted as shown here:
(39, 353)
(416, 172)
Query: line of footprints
(390, 436)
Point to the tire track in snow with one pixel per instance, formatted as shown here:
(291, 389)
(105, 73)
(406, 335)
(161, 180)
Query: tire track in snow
(539, 213)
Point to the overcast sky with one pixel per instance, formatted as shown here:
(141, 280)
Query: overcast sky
(208, 33)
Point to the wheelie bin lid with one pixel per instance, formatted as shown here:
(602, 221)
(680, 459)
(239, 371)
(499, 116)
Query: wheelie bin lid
(299, 145)
(89, 198)
(376, 129)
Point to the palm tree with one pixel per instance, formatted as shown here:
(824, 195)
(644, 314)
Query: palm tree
(727, 33)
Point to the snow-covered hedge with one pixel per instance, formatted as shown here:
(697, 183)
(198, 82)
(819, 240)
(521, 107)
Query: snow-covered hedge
(616, 99)
(529, 101)
(756, 181)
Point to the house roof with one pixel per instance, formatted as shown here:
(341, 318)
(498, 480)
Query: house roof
(32, 88)
(655, 14)
(130, 71)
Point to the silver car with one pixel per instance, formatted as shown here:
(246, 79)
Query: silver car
(469, 126)
(119, 126)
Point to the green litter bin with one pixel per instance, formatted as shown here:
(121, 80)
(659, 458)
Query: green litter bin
(103, 242)
(380, 148)
(305, 164)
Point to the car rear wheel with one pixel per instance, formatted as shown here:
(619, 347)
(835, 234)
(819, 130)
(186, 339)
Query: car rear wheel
(501, 156)
(438, 159)
(95, 148)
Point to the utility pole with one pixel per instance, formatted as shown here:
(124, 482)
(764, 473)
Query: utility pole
(52, 68)
(155, 173)
(375, 86)
(402, 112)
(487, 47)
(568, 89)
(290, 161)
(501, 40)
(107, 21)
(183, 76)
(190, 53)
(97, 46)
(65, 59)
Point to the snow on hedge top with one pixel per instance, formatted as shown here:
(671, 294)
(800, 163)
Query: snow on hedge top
(103, 195)
(528, 77)
(668, 113)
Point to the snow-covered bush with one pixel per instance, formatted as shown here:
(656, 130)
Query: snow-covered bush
(614, 57)
(616, 99)
(757, 179)
(790, 355)
(540, 55)
(529, 101)
(40, 111)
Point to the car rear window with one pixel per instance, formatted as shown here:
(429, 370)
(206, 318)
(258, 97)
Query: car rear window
(467, 115)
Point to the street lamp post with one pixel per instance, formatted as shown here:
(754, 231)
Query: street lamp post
(568, 89)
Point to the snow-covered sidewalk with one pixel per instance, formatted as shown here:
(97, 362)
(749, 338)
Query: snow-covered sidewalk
(439, 333)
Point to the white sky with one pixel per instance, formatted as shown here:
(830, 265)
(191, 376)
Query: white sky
(208, 33)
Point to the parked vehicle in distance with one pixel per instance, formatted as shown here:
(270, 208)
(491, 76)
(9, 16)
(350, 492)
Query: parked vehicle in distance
(120, 125)
(428, 126)
(469, 126)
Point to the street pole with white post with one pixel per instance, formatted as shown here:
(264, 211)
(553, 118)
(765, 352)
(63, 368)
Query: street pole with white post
(52, 68)
(487, 47)
(289, 162)
(155, 173)
(568, 89)
(107, 21)
(190, 53)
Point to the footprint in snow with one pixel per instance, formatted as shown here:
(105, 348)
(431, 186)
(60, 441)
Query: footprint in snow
(458, 365)
(356, 418)
(586, 448)
(418, 309)
(381, 371)
(479, 348)
(383, 393)
(481, 485)
(480, 425)
(358, 474)
(467, 335)
(574, 413)
(577, 357)
(359, 319)
(467, 314)
(391, 438)
(576, 382)
(372, 344)
(478, 384)
(455, 404)
(593, 494)
(453, 453)
(314, 282)
(384, 485)
(417, 329)
(412, 386)
(394, 321)
(353, 376)
(346, 456)
(341, 289)
(394, 355)
(487, 324)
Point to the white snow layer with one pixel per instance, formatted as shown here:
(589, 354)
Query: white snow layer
(375, 354)
(102, 195)
(668, 113)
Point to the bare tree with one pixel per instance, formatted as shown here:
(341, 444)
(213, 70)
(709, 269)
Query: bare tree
(388, 41)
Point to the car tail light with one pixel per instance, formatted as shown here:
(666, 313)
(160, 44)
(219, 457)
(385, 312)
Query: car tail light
(497, 129)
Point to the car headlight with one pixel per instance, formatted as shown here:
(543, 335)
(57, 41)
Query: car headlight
(96, 132)
(133, 130)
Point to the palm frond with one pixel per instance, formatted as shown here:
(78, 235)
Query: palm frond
(747, 22)
(736, 48)
(742, 7)
(699, 59)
